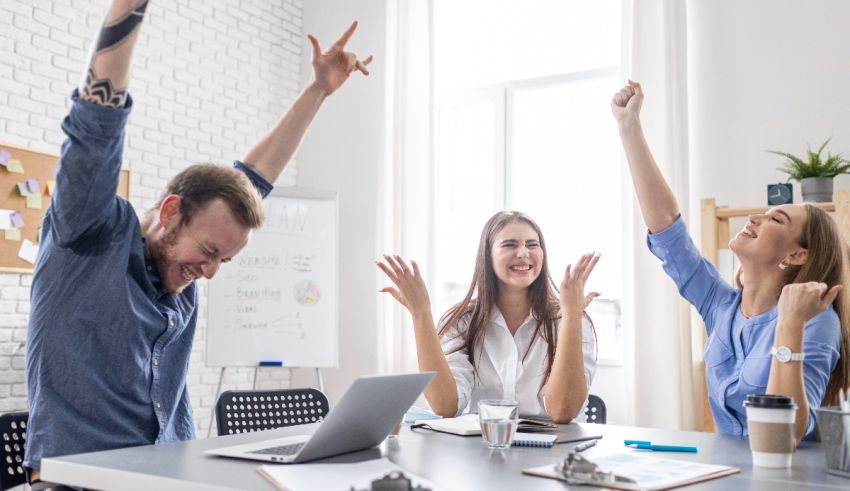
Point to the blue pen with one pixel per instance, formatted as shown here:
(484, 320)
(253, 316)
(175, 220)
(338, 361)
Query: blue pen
(644, 445)
(270, 363)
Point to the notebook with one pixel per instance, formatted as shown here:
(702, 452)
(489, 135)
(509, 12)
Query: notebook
(468, 425)
(534, 440)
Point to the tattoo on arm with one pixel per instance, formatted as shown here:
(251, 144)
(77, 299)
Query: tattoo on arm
(112, 36)
(101, 92)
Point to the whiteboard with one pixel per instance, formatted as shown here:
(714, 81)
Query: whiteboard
(277, 299)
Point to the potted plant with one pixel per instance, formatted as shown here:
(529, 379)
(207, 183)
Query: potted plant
(813, 172)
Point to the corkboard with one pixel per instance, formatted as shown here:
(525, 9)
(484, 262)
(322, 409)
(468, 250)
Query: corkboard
(41, 166)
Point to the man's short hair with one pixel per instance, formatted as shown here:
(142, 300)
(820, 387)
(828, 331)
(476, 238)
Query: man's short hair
(199, 184)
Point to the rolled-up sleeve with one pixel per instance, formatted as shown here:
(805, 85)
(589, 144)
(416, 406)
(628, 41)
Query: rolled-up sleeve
(697, 279)
(88, 168)
(462, 369)
(263, 186)
(589, 351)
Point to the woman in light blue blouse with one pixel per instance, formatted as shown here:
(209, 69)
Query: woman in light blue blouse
(783, 328)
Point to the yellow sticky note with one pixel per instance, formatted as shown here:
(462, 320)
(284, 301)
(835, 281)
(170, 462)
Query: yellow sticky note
(50, 185)
(13, 234)
(34, 201)
(15, 166)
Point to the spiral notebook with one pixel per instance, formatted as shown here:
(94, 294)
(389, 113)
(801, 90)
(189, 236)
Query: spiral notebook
(468, 425)
(534, 440)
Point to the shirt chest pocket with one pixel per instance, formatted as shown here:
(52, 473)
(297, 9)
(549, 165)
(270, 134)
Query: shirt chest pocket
(756, 371)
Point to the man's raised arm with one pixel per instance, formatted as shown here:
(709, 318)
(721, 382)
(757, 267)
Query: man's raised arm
(108, 74)
(330, 70)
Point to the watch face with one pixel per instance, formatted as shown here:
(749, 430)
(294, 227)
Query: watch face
(783, 354)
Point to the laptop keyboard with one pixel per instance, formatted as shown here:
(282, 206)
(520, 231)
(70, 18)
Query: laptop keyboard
(282, 450)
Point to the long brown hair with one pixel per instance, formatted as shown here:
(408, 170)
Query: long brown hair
(826, 262)
(484, 291)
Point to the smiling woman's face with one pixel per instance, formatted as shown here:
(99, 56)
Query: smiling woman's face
(517, 256)
(768, 238)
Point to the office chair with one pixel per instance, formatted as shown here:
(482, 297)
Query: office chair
(595, 410)
(245, 411)
(13, 430)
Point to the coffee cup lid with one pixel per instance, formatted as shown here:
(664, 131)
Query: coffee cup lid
(769, 401)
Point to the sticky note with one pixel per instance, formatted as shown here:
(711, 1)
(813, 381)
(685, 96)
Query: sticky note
(4, 157)
(16, 219)
(23, 188)
(13, 234)
(33, 186)
(50, 185)
(6, 219)
(28, 251)
(15, 166)
(34, 201)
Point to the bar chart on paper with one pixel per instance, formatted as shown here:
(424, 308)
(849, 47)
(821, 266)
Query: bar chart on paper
(276, 301)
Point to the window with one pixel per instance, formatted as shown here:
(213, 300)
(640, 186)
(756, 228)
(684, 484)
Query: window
(523, 123)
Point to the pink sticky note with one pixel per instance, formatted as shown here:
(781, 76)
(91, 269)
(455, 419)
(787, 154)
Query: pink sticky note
(33, 186)
(17, 219)
(4, 157)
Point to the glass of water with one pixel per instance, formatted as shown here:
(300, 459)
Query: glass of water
(498, 421)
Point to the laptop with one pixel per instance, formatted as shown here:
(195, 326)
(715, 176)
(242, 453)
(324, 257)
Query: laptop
(365, 415)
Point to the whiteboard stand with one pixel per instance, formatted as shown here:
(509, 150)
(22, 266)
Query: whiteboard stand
(217, 394)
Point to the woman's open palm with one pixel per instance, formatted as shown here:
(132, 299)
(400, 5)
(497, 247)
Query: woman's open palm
(573, 298)
(410, 289)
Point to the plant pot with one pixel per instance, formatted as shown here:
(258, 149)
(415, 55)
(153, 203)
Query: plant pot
(816, 189)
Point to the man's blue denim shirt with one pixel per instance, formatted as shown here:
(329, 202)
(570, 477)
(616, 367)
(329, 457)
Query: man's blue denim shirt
(737, 356)
(107, 347)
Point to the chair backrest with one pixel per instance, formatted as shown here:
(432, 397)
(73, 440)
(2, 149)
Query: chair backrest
(595, 411)
(244, 411)
(13, 431)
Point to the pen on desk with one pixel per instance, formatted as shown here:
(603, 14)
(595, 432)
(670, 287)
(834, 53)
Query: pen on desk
(584, 446)
(270, 363)
(644, 445)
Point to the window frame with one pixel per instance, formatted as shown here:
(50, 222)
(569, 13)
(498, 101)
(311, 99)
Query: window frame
(502, 95)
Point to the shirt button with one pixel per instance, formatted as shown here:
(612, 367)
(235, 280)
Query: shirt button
(156, 361)
(150, 268)
(157, 404)
(171, 323)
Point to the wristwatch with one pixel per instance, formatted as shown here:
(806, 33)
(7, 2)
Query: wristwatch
(783, 354)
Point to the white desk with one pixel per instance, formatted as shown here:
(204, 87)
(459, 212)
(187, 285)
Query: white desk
(459, 463)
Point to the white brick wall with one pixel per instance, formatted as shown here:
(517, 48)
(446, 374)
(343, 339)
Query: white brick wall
(209, 78)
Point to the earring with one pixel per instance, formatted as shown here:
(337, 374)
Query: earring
(783, 265)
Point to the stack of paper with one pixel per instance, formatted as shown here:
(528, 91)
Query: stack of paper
(310, 477)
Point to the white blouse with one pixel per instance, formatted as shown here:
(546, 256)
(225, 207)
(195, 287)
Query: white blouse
(502, 373)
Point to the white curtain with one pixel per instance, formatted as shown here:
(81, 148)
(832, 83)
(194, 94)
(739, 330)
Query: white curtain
(666, 356)
(406, 218)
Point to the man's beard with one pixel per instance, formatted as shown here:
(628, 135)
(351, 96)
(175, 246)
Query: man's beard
(161, 251)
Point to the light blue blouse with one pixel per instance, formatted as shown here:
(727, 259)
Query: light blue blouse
(737, 355)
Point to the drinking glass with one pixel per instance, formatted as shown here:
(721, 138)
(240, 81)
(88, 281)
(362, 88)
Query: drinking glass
(498, 420)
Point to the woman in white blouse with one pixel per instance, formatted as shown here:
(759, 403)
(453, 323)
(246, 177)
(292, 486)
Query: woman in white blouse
(513, 336)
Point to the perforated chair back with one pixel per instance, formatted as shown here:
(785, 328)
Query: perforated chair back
(13, 430)
(595, 411)
(245, 411)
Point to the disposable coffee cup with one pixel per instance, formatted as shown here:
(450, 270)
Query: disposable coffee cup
(770, 420)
